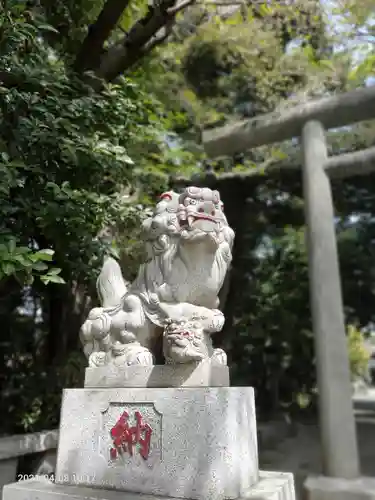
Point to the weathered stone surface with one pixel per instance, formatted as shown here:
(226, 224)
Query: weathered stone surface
(337, 424)
(19, 445)
(203, 442)
(12, 447)
(271, 486)
(189, 247)
(329, 488)
(203, 374)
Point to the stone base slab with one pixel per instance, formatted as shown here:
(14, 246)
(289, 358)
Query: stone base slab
(203, 374)
(203, 442)
(330, 488)
(271, 486)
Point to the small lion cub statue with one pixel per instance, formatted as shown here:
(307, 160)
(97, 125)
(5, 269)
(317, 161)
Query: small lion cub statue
(185, 341)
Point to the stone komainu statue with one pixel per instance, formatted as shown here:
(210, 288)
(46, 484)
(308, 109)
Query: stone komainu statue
(189, 247)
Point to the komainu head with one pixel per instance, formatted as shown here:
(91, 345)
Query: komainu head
(195, 215)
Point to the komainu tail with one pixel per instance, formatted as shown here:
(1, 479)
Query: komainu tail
(111, 286)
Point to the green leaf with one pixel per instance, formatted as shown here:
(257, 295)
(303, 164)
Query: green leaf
(23, 250)
(16, 164)
(45, 254)
(364, 69)
(8, 268)
(47, 27)
(265, 10)
(40, 266)
(12, 245)
(54, 271)
(44, 279)
(23, 260)
(29, 279)
(55, 279)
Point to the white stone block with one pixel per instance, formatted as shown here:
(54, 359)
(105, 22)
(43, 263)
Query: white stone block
(271, 486)
(203, 374)
(203, 441)
(332, 488)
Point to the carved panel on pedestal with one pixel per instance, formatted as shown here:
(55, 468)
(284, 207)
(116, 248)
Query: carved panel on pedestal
(131, 435)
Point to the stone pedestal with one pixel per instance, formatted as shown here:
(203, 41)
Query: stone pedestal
(124, 443)
(271, 486)
(202, 441)
(203, 374)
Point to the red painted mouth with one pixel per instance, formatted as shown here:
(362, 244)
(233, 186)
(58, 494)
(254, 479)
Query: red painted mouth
(183, 333)
(190, 219)
(203, 217)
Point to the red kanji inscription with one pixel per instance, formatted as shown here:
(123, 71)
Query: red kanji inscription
(125, 438)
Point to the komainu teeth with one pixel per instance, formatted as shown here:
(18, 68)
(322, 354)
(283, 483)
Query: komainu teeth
(190, 220)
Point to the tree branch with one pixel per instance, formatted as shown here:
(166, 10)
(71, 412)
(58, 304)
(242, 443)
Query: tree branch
(92, 47)
(159, 38)
(125, 53)
(223, 3)
(181, 6)
(140, 40)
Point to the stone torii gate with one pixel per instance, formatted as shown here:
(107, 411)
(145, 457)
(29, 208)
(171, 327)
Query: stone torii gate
(309, 121)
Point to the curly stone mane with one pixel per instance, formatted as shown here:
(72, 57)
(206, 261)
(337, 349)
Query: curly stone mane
(164, 238)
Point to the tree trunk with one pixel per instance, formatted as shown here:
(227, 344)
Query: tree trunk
(68, 307)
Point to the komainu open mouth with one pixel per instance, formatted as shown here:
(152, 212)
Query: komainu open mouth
(199, 221)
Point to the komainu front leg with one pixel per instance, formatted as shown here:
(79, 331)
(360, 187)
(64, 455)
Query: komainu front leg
(132, 332)
(131, 354)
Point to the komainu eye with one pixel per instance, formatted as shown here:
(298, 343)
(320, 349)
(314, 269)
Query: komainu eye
(192, 201)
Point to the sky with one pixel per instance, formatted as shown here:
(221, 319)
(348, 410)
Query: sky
(338, 26)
